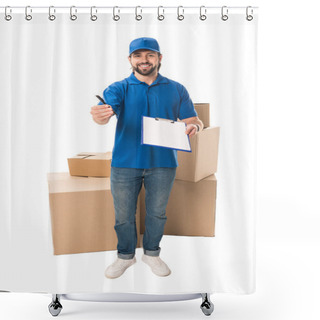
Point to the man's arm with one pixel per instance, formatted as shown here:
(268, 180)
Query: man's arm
(113, 96)
(194, 125)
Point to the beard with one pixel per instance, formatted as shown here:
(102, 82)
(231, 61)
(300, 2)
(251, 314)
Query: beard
(145, 72)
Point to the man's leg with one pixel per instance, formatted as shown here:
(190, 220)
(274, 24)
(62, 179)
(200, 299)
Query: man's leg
(125, 187)
(158, 183)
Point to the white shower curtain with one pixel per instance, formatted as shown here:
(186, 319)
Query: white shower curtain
(50, 72)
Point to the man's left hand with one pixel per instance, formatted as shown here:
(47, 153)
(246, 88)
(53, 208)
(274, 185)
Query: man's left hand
(191, 129)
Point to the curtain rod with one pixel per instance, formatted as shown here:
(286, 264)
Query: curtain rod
(74, 10)
(125, 7)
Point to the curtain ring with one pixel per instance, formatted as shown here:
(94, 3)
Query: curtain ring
(93, 17)
(203, 16)
(138, 16)
(28, 16)
(224, 13)
(249, 16)
(160, 16)
(8, 17)
(73, 16)
(52, 16)
(180, 16)
(116, 17)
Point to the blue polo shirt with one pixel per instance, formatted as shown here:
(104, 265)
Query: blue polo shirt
(131, 99)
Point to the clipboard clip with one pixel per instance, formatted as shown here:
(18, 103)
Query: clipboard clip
(158, 119)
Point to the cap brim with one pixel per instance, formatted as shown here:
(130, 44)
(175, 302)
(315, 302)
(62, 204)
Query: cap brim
(144, 48)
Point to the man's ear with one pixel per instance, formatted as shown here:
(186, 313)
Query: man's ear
(160, 57)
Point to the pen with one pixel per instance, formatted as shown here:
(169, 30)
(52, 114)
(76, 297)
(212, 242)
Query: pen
(101, 100)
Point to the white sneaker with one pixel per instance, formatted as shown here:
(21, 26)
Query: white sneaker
(157, 266)
(117, 268)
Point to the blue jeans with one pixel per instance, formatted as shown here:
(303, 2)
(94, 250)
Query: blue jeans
(126, 184)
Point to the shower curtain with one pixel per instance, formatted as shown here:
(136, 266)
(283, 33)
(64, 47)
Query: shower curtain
(50, 73)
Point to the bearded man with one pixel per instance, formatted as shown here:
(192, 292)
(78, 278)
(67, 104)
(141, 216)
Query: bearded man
(144, 93)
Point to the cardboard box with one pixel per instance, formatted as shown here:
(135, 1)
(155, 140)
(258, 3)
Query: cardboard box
(203, 111)
(203, 160)
(82, 214)
(90, 164)
(190, 210)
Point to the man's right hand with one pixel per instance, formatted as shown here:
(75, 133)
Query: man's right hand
(101, 114)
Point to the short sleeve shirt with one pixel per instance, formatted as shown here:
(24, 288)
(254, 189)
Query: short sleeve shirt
(131, 99)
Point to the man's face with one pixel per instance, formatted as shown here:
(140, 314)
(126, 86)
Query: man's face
(145, 62)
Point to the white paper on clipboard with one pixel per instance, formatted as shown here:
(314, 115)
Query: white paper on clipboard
(165, 133)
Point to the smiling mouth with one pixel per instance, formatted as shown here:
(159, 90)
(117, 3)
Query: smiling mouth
(144, 65)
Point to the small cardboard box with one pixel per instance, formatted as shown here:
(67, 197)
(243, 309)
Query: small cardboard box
(82, 214)
(90, 164)
(203, 160)
(203, 111)
(190, 210)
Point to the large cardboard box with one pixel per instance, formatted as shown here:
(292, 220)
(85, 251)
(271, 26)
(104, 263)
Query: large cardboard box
(82, 214)
(203, 111)
(190, 210)
(90, 164)
(203, 160)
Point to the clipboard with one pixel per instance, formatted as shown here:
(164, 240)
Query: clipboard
(164, 133)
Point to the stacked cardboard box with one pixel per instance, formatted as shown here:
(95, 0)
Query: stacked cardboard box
(81, 204)
(192, 203)
(190, 210)
(90, 164)
(82, 214)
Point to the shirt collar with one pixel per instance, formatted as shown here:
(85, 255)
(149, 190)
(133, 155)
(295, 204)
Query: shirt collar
(160, 79)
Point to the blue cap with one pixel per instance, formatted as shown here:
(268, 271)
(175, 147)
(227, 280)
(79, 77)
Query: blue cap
(144, 43)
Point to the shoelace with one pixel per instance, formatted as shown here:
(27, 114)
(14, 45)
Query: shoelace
(122, 262)
(156, 261)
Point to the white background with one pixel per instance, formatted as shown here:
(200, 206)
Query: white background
(288, 216)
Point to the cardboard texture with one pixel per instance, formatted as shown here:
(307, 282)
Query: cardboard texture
(90, 164)
(190, 210)
(203, 111)
(82, 214)
(203, 160)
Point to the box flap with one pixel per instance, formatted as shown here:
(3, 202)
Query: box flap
(93, 156)
(61, 182)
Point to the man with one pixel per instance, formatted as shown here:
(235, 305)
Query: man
(144, 93)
